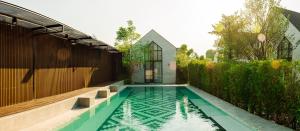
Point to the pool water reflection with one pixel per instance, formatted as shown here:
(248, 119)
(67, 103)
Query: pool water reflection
(159, 108)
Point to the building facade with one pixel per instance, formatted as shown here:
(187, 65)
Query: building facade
(290, 47)
(159, 64)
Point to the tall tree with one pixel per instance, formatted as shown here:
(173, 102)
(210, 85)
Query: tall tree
(238, 33)
(266, 18)
(126, 36)
(184, 55)
(229, 31)
(132, 54)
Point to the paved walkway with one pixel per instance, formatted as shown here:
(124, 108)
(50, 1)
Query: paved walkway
(36, 103)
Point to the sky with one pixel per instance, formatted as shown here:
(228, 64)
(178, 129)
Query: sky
(179, 21)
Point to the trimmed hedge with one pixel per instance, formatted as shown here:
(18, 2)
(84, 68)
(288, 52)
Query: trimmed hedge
(269, 89)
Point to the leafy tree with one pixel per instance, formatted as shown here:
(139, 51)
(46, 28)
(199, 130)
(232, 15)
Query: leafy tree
(184, 55)
(238, 33)
(126, 36)
(266, 17)
(210, 54)
(183, 58)
(230, 30)
(133, 55)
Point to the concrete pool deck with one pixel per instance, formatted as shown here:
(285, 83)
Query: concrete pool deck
(244, 117)
(52, 116)
(65, 118)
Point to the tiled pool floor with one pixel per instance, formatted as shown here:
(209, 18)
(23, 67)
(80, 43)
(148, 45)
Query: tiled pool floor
(157, 108)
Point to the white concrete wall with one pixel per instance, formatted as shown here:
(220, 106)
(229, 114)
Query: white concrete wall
(293, 35)
(168, 59)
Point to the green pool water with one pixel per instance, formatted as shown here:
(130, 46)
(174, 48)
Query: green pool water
(152, 108)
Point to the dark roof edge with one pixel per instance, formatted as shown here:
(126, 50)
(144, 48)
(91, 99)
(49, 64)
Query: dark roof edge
(50, 19)
(292, 16)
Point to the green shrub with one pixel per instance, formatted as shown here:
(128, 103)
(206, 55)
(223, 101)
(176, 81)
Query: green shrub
(270, 89)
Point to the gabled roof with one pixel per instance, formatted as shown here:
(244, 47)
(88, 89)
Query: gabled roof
(294, 17)
(14, 14)
(153, 32)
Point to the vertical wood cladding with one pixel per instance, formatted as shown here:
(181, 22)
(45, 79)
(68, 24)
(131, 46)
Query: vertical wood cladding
(16, 85)
(37, 66)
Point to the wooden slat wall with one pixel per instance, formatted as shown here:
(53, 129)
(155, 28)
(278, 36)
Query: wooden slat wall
(15, 65)
(61, 67)
(42, 65)
(117, 65)
(103, 68)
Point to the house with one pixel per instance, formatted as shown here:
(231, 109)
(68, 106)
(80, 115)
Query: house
(160, 61)
(290, 48)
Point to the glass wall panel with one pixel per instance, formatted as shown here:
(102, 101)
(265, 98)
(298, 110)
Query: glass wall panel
(157, 72)
(153, 64)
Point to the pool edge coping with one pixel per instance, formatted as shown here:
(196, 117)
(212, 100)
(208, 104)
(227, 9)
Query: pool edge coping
(251, 120)
(232, 110)
(81, 111)
(84, 110)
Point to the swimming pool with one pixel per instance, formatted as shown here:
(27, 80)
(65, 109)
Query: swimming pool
(153, 108)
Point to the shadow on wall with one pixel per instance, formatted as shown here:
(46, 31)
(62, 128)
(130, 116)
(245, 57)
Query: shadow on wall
(36, 66)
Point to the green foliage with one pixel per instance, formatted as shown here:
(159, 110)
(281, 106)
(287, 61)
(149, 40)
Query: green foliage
(126, 36)
(267, 16)
(183, 58)
(133, 55)
(201, 57)
(210, 54)
(258, 87)
(230, 36)
(237, 33)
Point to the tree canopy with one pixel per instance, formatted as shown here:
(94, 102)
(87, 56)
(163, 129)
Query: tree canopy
(133, 55)
(185, 55)
(237, 33)
(126, 36)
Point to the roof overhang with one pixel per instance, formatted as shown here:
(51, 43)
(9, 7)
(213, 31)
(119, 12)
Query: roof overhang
(41, 24)
(293, 17)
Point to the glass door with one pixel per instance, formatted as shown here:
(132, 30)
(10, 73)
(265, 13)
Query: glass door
(153, 64)
(149, 72)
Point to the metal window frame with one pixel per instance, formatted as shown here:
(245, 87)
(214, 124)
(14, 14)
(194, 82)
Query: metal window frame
(152, 63)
